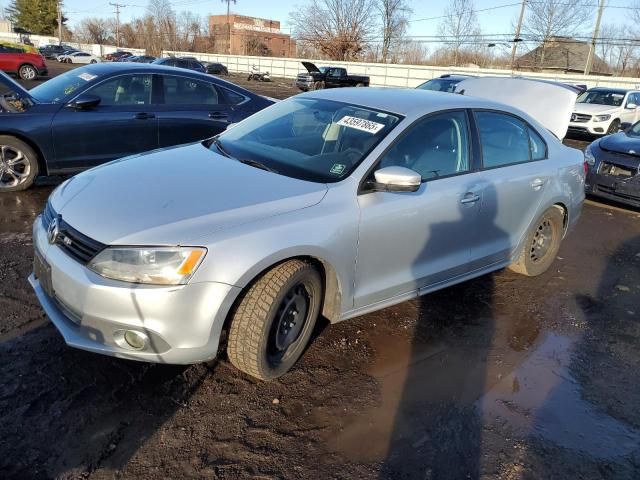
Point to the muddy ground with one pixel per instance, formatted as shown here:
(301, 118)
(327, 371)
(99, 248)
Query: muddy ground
(500, 377)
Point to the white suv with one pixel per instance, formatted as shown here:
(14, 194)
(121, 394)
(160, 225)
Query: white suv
(601, 110)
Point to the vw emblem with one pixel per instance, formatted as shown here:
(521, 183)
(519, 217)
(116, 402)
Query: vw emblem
(53, 231)
(573, 117)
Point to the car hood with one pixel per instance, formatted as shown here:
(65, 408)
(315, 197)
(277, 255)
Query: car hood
(15, 87)
(176, 196)
(311, 68)
(621, 143)
(548, 103)
(593, 108)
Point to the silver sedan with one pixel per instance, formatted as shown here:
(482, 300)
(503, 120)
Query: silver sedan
(335, 203)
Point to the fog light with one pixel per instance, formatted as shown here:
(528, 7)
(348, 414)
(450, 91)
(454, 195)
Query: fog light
(135, 339)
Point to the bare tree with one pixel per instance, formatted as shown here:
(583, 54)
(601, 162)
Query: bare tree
(458, 23)
(338, 29)
(94, 30)
(394, 16)
(546, 19)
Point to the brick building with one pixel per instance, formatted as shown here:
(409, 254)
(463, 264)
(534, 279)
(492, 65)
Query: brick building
(250, 36)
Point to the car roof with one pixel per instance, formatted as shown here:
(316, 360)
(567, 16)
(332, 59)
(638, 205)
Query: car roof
(109, 68)
(406, 102)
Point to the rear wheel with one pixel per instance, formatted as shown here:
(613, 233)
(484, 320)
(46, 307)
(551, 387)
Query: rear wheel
(614, 127)
(541, 245)
(275, 319)
(18, 164)
(27, 72)
(93, 61)
(359, 84)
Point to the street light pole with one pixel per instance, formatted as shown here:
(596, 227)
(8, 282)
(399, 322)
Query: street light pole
(59, 22)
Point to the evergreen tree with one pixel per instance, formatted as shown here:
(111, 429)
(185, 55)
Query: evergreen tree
(36, 16)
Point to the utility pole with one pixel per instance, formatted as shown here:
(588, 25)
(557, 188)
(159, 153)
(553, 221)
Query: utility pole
(596, 31)
(59, 22)
(516, 39)
(117, 12)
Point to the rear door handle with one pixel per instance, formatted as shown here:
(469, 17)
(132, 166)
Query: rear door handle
(470, 197)
(219, 116)
(537, 184)
(144, 116)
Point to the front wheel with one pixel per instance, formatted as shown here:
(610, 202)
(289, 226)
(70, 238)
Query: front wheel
(18, 164)
(614, 127)
(274, 320)
(27, 72)
(541, 245)
(93, 61)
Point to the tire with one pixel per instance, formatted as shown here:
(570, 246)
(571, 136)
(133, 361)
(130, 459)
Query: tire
(614, 127)
(27, 72)
(18, 176)
(359, 84)
(318, 85)
(541, 245)
(93, 61)
(258, 343)
(249, 78)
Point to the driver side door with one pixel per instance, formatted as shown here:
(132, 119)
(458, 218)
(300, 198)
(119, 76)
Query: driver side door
(124, 123)
(411, 241)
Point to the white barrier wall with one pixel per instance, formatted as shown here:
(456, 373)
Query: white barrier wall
(39, 41)
(391, 75)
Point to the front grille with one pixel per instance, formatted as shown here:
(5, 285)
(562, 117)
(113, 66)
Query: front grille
(580, 118)
(71, 241)
(617, 170)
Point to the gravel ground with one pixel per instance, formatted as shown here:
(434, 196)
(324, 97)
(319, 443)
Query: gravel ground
(500, 377)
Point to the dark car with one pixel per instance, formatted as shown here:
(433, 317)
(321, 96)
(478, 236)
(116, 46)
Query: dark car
(52, 51)
(216, 68)
(187, 63)
(328, 77)
(614, 167)
(139, 59)
(117, 56)
(444, 83)
(101, 112)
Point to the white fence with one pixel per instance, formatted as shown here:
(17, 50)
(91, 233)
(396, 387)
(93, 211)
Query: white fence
(39, 41)
(388, 75)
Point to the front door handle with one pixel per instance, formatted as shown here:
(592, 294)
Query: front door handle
(144, 116)
(537, 184)
(219, 116)
(470, 197)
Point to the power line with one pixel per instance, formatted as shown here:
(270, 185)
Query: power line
(118, 6)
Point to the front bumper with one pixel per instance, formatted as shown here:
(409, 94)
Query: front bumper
(182, 323)
(589, 128)
(625, 191)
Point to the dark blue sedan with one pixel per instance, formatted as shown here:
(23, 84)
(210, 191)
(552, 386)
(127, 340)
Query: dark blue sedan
(97, 113)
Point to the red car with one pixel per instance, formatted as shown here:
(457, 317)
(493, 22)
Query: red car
(24, 64)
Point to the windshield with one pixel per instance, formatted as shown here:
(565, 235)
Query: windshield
(305, 138)
(59, 88)
(439, 85)
(602, 97)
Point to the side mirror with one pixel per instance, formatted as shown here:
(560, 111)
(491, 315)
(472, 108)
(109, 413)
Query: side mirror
(631, 106)
(396, 179)
(85, 102)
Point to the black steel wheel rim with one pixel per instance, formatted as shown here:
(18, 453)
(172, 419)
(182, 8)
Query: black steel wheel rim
(542, 240)
(289, 322)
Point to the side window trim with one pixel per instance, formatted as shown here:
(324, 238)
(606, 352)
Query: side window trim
(362, 189)
(528, 127)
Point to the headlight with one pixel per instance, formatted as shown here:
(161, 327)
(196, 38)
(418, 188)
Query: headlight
(588, 156)
(601, 118)
(152, 265)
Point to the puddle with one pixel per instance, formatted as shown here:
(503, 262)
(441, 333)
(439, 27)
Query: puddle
(542, 398)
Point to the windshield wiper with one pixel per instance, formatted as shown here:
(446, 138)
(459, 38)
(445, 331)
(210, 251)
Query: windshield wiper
(218, 144)
(257, 164)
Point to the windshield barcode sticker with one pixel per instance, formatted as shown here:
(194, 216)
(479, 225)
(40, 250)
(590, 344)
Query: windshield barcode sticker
(361, 124)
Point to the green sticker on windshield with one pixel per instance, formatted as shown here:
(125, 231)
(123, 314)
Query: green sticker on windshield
(337, 169)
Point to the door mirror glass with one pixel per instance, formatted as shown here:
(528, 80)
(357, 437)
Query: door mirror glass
(85, 102)
(397, 179)
(631, 106)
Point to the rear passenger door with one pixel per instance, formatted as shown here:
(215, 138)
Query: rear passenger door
(515, 171)
(190, 110)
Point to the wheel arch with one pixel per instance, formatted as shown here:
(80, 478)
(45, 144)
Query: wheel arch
(565, 216)
(42, 165)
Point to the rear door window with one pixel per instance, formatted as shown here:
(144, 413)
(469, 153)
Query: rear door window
(188, 91)
(507, 140)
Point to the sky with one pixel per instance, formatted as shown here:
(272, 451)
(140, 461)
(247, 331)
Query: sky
(498, 18)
